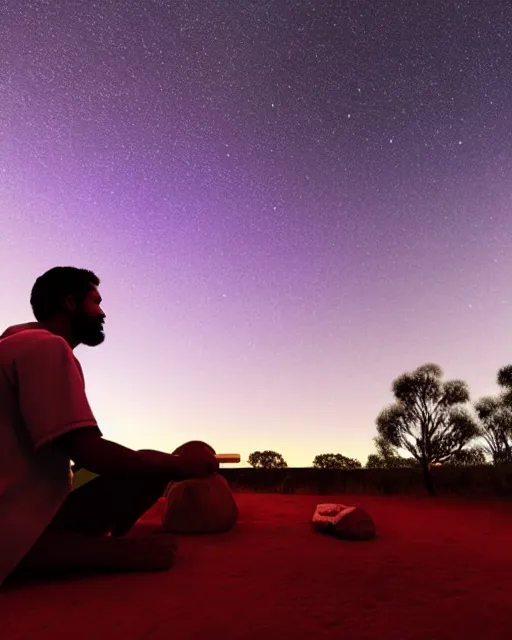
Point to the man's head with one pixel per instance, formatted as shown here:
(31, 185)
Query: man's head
(69, 297)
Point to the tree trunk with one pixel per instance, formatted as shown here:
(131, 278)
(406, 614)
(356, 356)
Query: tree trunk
(429, 480)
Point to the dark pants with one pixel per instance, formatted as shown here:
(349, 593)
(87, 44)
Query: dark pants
(108, 504)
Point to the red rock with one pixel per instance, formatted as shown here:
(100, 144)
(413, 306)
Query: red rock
(342, 521)
(200, 505)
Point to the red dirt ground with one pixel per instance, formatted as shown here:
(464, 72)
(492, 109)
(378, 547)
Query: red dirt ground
(439, 569)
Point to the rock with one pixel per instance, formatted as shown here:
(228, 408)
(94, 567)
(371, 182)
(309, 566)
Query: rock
(200, 505)
(342, 521)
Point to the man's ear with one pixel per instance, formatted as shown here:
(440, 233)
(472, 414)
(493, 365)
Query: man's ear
(70, 303)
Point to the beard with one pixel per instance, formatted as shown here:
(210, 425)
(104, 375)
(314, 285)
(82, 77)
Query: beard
(89, 331)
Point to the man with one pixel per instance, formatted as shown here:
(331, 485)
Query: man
(46, 422)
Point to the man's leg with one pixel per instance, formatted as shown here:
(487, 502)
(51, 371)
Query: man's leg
(56, 552)
(107, 504)
(76, 538)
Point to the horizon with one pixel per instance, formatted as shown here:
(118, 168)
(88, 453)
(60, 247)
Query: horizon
(288, 207)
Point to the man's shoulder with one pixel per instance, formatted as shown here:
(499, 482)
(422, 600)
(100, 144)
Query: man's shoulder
(35, 340)
(18, 328)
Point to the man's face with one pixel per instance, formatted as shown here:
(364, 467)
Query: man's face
(88, 318)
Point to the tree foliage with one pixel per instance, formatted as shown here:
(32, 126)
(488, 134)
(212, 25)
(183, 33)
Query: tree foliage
(472, 457)
(428, 418)
(387, 457)
(495, 418)
(267, 460)
(335, 461)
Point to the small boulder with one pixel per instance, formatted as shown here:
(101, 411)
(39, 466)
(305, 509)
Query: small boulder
(199, 505)
(342, 521)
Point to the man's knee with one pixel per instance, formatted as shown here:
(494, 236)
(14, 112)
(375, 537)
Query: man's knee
(192, 446)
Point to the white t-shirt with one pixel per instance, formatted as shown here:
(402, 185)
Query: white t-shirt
(42, 396)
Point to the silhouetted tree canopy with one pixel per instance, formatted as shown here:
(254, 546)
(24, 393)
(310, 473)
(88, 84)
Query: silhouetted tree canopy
(495, 417)
(387, 457)
(428, 419)
(266, 460)
(504, 380)
(468, 458)
(335, 461)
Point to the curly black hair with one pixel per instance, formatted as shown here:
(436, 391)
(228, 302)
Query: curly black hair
(51, 289)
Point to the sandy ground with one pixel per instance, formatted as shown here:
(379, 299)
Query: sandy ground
(439, 569)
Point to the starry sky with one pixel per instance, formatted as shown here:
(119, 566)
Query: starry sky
(288, 204)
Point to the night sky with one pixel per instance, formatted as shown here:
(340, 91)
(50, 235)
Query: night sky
(289, 204)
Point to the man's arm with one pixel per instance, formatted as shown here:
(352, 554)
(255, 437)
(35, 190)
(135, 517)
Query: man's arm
(56, 411)
(89, 450)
